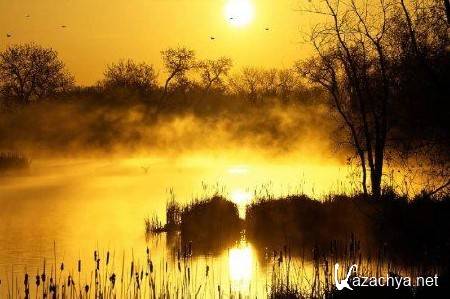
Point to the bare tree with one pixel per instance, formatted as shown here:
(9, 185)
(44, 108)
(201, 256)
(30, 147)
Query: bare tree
(30, 72)
(247, 83)
(269, 82)
(287, 82)
(352, 66)
(363, 49)
(130, 75)
(177, 61)
(213, 71)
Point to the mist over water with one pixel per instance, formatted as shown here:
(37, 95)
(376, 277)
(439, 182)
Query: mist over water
(82, 204)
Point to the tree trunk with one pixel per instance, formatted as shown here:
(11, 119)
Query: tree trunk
(166, 85)
(377, 171)
(364, 172)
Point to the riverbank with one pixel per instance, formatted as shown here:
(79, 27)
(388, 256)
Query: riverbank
(402, 230)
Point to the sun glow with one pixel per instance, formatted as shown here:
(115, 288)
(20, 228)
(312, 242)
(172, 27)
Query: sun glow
(241, 267)
(241, 199)
(239, 12)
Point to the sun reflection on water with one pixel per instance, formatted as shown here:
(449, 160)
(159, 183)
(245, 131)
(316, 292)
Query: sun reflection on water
(241, 267)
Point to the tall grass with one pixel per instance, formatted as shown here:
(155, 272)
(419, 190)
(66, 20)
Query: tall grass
(409, 230)
(109, 276)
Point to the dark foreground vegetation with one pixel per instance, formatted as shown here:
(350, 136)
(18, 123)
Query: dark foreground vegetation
(402, 230)
(393, 233)
(210, 224)
(13, 161)
(330, 292)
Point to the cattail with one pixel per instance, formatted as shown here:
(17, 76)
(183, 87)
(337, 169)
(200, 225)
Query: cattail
(137, 281)
(151, 267)
(112, 279)
(207, 270)
(95, 255)
(79, 266)
(132, 269)
(38, 280)
(98, 264)
(27, 287)
(62, 267)
(86, 288)
(43, 277)
(107, 258)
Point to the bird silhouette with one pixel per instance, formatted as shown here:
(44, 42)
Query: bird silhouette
(27, 16)
(267, 28)
(8, 35)
(63, 26)
(212, 37)
(145, 169)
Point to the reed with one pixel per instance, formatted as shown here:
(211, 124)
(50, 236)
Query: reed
(287, 276)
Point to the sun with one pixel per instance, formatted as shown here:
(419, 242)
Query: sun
(239, 12)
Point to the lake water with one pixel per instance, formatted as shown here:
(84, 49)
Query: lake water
(66, 209)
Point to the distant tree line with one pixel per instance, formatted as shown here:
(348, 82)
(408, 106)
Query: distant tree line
(31, 72)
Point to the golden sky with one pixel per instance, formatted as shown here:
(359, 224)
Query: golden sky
(99, 32)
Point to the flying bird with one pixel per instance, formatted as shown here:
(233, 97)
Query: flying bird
(267, 28)
(212, 37)
(145, 169)
(63, 26)
(27, 16)
(8, 35)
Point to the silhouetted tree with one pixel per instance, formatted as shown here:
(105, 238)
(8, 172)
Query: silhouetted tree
(257, 83)
(421, 64)
(130, 75)
(30, 72)
(247, 83)
(287, 83)
(269, 82)
(364, 53)
(177, 63)
(352, 66)
(213, 71)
